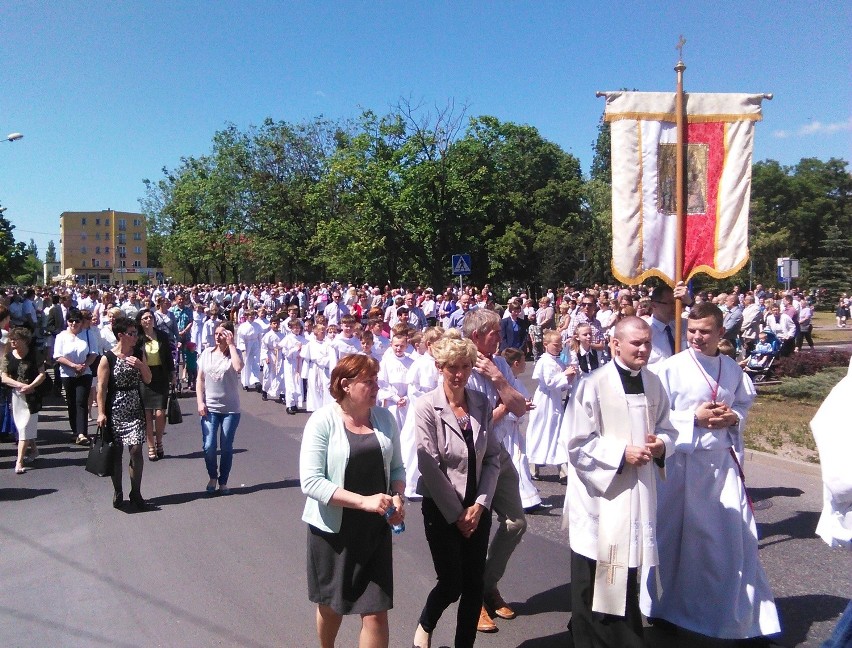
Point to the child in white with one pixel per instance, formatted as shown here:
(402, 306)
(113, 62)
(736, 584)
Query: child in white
(273, 376)
(320, 360)
(393, 388)
(422, 377)
(516, 442)
(554, 379)
(290, 357)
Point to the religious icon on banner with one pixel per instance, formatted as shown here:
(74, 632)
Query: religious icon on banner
(696, 178)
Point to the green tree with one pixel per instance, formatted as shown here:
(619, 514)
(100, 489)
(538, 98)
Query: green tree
(830, 272)
(12, 255)
(50, 254)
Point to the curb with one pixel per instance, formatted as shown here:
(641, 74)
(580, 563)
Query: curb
(782, 463)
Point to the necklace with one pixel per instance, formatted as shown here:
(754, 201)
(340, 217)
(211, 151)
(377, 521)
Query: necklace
(714, 390)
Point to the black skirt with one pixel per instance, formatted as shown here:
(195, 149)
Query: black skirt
(156, 393)
(352, 571)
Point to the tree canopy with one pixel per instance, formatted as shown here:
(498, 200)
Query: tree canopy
(389, 198)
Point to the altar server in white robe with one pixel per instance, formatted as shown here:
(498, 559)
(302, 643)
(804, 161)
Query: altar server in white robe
(393, 388)
(554, 380)
(709, 575)
(620, 436)
(346, 343)
(291, 359)
(422, 377)
(831, 431)
(248, 341)
(515, 440)
(321, 361)
(273, 375)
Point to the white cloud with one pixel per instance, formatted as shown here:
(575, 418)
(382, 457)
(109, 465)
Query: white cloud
(815, 128)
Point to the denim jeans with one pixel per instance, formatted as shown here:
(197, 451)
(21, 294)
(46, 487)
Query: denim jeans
(210, 426)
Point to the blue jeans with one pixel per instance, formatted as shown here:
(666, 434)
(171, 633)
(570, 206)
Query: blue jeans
(210, 426)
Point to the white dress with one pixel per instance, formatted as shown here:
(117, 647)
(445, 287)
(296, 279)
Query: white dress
(273, 376)
(422, 377)
(393, 385)
(320, 361)
(291, 360)
(248, 341)
(516, 445)
(543, 446)
(709, 569)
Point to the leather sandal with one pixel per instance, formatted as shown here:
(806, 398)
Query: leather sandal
(152, 453)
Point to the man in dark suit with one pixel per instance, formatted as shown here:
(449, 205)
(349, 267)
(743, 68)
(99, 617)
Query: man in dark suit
(56, 324)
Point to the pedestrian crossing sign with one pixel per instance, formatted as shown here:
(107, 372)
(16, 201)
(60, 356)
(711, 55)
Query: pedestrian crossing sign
(461, 264)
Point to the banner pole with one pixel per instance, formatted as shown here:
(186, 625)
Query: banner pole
(680, 189)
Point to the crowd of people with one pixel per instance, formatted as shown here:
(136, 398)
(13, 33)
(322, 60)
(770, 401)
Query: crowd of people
(415, 395)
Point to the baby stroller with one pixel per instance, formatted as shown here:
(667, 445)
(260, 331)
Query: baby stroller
(758, 365)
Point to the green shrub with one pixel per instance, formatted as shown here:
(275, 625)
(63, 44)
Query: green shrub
(813, 388)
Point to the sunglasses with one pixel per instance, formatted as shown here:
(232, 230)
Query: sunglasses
(73, 321)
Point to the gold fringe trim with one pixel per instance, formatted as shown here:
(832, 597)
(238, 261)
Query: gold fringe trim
(718, 274)
(654, 272)
(690, 119)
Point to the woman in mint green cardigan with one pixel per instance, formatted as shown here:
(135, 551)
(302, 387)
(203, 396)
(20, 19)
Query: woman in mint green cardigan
(351, 469)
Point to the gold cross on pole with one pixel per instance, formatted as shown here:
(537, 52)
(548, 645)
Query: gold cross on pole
(612, 564)
(679, 47)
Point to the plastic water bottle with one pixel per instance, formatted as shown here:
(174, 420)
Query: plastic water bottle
(396, 528)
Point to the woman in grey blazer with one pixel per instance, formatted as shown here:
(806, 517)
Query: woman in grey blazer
(457, 454)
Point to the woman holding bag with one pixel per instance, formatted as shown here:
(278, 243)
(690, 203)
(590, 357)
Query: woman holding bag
(153, 346)
(120, 408)
(23, 373)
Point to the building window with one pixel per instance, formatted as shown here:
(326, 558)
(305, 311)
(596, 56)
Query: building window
(83, 236)
(97, 250)
(122, 224)
(106, 250)
(82, 221)
(137, 264)
(137, 250)
(97, 221)
(106, 236)
(83, 250)
(84, 264)
(107, 263)
(122, 238)
(97, 236)
(122, 264)
(106, 222)
(137, 222)
(137, 236)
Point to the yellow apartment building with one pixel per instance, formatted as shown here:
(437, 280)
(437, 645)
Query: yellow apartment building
(104, 247)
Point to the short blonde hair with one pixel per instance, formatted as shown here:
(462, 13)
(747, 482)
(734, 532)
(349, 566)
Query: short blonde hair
(452, 348)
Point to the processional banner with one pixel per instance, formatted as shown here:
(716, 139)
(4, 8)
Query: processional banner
(720, 131)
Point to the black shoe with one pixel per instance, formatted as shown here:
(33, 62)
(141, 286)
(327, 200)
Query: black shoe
(138, 502)
(258, 388)
(263, 396)
(291, 410)
(541, 507)
(117, 499)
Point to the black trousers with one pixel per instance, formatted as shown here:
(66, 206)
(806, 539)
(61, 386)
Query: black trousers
(459, 564)
(594, 629)
(77, 392)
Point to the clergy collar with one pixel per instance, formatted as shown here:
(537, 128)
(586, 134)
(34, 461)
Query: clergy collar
(624, 369)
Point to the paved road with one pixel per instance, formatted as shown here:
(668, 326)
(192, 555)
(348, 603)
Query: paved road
(229, 571)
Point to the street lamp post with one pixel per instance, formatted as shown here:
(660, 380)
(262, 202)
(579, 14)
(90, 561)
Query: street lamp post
(12, 137)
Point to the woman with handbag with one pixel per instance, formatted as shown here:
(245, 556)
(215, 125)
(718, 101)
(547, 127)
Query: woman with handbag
(152, 345)
(120, 412)
(23, 373)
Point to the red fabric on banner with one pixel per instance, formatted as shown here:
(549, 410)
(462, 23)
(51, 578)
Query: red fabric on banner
(700, 244)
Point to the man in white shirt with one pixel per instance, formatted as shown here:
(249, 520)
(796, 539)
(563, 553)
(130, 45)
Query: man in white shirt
(784, 328)
(336, 309)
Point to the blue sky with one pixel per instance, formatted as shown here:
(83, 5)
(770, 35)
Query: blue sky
(108, 93)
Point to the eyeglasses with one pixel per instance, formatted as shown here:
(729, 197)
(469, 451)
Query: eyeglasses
(131, 333)
(586, 304)
(73, 321)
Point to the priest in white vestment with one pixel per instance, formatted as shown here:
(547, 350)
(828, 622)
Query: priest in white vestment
(620, 435)
(709, 578)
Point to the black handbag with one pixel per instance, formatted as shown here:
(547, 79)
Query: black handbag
(175, 416)
(101, 452)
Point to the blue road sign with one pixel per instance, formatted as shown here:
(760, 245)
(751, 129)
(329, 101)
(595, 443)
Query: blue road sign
(461, 264)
